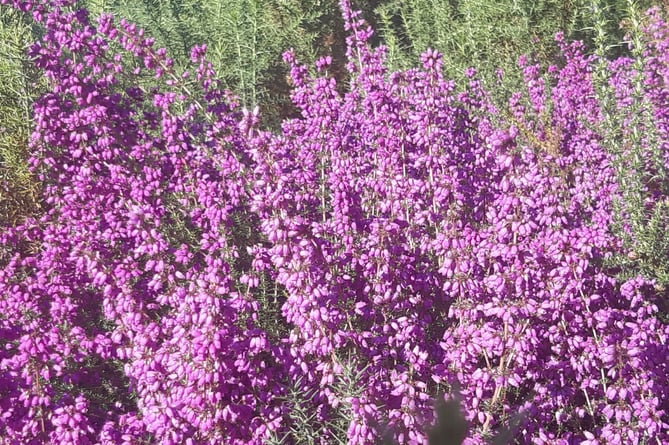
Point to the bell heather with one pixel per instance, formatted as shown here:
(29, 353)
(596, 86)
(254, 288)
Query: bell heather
(189, 268)
(123, 288)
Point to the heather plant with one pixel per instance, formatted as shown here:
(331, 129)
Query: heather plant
(109, 298)
(196, 280)
(445, 246)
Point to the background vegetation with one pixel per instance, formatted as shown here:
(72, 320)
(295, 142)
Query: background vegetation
(18, 88)
(489, 35)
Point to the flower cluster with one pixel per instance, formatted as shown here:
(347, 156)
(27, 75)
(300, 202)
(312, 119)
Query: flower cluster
(190, 268)
(123, 321)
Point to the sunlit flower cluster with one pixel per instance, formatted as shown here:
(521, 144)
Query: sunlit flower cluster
(189, 267)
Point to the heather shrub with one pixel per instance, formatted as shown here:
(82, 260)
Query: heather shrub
(113, 328)
(452, 247)
(195, 279)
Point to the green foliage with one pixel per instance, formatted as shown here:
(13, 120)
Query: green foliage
(18, 88)
(245, 39)
(489, 34)
(303, 424)
(630, 134)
